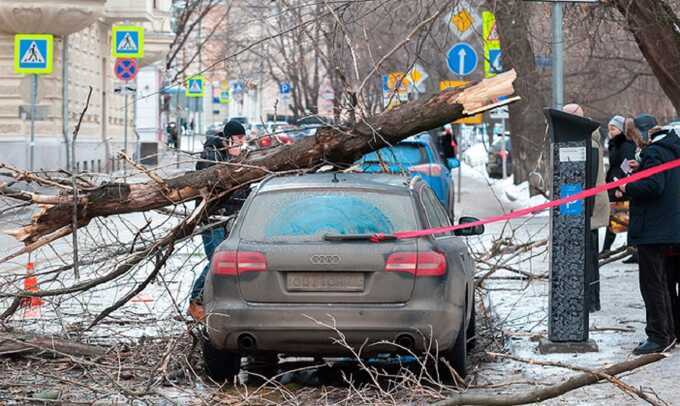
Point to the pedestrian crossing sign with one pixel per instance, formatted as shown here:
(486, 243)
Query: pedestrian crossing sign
(127, 41)
(33, 53)
(195, 86)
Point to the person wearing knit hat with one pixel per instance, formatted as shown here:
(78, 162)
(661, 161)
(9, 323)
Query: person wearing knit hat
(221, 147)
(644, 123)
(618, 123)
(620, 149)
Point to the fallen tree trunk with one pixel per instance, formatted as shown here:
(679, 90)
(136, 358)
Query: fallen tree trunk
(552, 391)
(331, 144)
(22, 343)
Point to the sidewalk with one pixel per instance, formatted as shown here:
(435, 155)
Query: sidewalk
(521, 310)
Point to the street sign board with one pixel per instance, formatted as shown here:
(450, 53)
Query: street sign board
(33, 53)
(501, 113)
(462, 59)
(454, 84)
(492, 45)
(195, 86)
(124, 89)
(127, 41)
(125, 69)
(396, 86)
(463, 20)
(284, 88)
(417, 77)
(225, 97)
(237, 86)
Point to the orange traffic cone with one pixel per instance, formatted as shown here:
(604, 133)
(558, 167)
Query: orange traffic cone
(31, 304)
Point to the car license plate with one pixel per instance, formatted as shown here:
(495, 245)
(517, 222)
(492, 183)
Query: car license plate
(325, 281)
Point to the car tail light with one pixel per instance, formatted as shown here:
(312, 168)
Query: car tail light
(417, 264)
(232, 263)
(427, 169)
(265, 142)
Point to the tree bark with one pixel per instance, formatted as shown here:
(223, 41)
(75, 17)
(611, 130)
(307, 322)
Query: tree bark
(552, 391)
(527, 125)
(337, 145)
(22, 343)
(657, 32)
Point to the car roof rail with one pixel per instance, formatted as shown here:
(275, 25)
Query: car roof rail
(273, 176)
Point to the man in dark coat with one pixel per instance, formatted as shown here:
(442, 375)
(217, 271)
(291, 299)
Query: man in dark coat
(653, 228)
(221, 147)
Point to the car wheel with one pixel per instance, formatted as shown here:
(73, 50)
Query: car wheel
(472, 327)
(221, 366)
(455, 357)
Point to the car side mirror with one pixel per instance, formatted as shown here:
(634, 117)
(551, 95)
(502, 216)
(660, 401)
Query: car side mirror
(453, 163)
(467, 232)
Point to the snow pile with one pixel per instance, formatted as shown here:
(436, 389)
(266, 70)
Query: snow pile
(514, 197)
(476, 155)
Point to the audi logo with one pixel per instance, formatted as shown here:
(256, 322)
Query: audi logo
(325, 259)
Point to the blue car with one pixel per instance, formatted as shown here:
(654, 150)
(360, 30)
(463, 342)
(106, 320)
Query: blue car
(417, 155)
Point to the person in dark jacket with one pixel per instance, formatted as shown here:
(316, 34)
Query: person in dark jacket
(621, 148)
(653, 229)
(644, 123)
(221, 147)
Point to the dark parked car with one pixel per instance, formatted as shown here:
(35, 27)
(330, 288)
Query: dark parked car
(495, 164)
(300, 254)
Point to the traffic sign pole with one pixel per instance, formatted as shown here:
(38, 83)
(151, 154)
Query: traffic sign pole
(34, 101)
(558, 57)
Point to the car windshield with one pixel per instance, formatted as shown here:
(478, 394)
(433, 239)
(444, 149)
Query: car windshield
(309, 215)
(404, 154)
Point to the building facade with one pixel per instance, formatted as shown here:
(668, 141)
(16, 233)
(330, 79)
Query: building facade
(82, 59)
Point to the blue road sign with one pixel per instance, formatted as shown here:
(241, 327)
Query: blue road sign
(284, 88)
(195, 86)
(237, 87)
(33, 53)
(128, 41)
(462, 59)
(495, 61)
(573, 208)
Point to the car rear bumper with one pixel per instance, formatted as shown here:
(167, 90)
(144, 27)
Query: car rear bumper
(315, 329)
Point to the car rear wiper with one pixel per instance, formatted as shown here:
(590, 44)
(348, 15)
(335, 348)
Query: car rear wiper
(358, 237)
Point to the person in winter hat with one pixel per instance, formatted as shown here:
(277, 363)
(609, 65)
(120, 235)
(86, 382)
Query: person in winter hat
(621, 148)
(654, 225)
(221, 147)
(644, 123)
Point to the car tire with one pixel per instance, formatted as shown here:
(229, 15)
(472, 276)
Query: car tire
(472, 327)
(221, 366)
(455, 357)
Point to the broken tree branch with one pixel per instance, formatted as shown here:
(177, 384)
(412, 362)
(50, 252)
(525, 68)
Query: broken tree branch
(551, 391)
(338, 145)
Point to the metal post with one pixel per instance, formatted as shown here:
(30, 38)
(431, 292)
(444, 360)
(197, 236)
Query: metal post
(125, 136)
(64, 81)
(557, 57)
(504, 152)
(460, 163)
(34, 101)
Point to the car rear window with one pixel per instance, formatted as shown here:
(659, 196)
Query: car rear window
(406, 154)
(310, 214)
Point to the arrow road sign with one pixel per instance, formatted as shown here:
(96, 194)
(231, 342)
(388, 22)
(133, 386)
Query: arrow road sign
(128, 41)
(125, 69)
(462, 59)
(33, 53)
